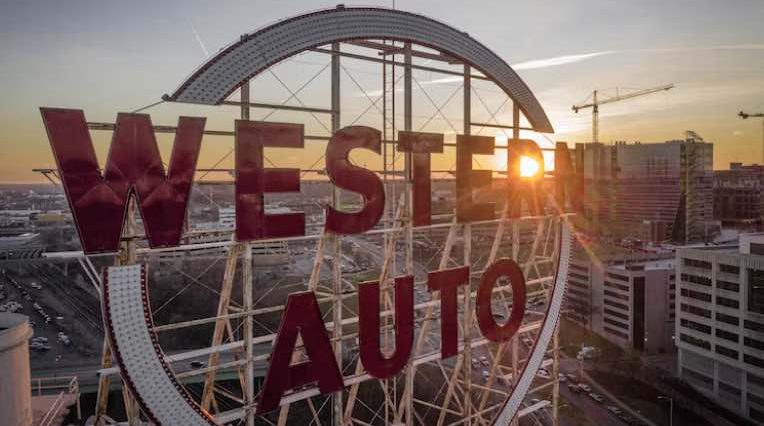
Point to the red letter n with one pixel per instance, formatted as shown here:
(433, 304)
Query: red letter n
(99, 203)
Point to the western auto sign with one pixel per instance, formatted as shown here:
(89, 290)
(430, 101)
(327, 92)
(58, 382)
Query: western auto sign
(99, 198)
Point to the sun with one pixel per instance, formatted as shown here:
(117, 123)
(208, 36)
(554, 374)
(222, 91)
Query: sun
(528, 167)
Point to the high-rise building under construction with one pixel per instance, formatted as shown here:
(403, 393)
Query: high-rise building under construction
(654, 191)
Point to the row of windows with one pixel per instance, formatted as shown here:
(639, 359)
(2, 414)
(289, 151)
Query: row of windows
(729, 269)
(617, 276)
(726, 335)
(753, 343)
(730, 303)
(697, 263)
(753, 325)
(616, 305)
(696, 310)
(726, 352)
(696, 326)
(615, 323)
(616, 332)
(726, 285)
(616, 295)
(616, 314)
(696, 295)
(729, 319)
(696, 279)
(697, 376)
(695, 341)
(618, 286)
(579, 267)
(753, 360)
(578, 276)
(578, 284)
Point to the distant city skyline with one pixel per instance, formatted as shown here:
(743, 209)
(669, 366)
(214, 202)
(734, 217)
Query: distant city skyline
(107, 58)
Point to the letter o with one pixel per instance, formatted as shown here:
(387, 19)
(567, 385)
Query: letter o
(491, 330)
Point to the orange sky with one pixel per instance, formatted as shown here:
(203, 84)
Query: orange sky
(107, 58)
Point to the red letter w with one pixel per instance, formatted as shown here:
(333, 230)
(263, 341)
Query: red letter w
(99, 202)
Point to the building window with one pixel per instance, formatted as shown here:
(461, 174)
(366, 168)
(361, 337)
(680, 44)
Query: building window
(578, 276)
(721, 350)
(616, 333)
(617, 276)
(753, 360)
(696, 279)
(616, 314)
(753, 325)
(729, 388)
(702, 264)
(724, 334)
(695, 310)
(696, 295)
(730, 303)
(616, 295)
(618, 286)
(729, 269)
(729, 319)
(695, 341)
(695, 326)
(698, 376)
(756, 291)
(615, 323)
(726, 285)
(618, 305)
(753, 343)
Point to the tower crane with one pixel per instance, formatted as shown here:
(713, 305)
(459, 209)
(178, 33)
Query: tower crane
(757, 115)
(597, 101)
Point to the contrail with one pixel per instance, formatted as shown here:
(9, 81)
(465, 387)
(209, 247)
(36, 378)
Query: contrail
(559, 60)
(199, 39)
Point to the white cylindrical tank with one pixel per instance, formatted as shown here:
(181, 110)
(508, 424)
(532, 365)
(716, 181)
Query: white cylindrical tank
(15, 385)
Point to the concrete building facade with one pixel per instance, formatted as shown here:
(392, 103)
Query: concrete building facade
(720, 323)
(630, 304)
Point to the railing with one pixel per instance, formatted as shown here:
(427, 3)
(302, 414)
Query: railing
(68, 385)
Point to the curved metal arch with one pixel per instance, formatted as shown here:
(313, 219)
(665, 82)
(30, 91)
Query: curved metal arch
(222, 74)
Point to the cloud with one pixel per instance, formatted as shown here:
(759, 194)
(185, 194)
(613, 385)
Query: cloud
(559, 60)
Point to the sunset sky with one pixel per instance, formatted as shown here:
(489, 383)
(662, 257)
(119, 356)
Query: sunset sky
(107, 57)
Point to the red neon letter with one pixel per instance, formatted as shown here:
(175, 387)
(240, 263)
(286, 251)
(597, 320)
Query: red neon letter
(467, 179)
(98, 203)
(301, 316)
(567, 178)
(357, 179)
(488, 326)
(447, 281)
(252, 180)
(420, 145)
(524, 188)
(372, 358)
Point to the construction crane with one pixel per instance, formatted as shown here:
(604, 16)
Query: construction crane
(597, 101)
(757, 115)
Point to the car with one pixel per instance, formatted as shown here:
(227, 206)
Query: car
(573, 388)
(535, 400)
(561, 377)
(198, 364)
(475, 363)
(484, 360)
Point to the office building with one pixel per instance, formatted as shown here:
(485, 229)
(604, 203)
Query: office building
(720, 323)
